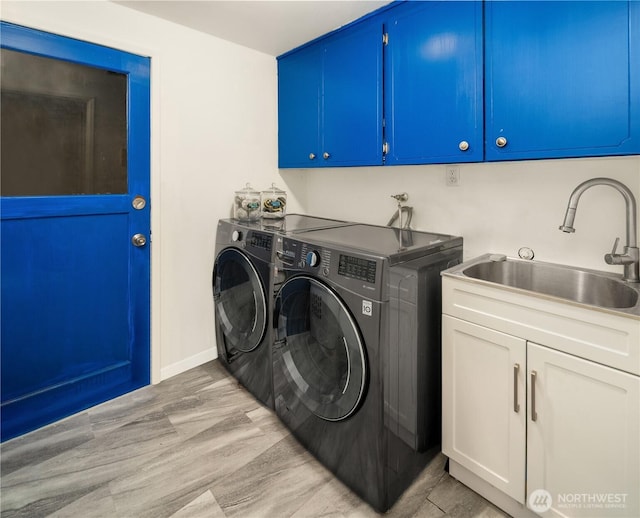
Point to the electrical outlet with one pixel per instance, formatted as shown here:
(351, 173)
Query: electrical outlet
(452, 175)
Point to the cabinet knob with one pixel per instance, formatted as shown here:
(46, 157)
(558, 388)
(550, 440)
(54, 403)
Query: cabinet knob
(501, 142)
(312, 156)
(325, 155)
(463, 146)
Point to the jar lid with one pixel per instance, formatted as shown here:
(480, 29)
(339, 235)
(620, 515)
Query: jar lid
(274, 190)
(248, 190)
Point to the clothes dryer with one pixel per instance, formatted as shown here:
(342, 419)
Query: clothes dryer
(356, 356)
(243, 288)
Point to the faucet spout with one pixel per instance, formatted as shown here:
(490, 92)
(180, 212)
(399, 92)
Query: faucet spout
(629, 257)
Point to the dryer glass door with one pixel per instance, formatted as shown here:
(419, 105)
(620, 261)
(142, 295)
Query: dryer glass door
(240, 302)
(319, 350)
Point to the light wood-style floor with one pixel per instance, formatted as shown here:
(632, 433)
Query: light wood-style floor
(196, 445)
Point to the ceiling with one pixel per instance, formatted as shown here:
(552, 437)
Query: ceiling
(269, 26)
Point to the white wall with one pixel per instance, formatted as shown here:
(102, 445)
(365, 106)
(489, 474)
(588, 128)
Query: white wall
(213, 129)
(498, 207)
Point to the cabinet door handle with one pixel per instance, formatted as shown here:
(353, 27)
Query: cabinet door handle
(516, 369)
(312, 156)
(501, 142)
(463, 146)
(325, 155)
(534, 414)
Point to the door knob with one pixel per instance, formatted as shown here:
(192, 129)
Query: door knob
(139, 240)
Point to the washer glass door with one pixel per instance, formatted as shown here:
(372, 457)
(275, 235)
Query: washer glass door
(240, 302)
(319, 349)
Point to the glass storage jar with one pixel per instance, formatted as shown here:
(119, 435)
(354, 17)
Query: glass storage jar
(274, 202)
(246, 205)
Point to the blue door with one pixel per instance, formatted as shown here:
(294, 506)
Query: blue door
(75, 226)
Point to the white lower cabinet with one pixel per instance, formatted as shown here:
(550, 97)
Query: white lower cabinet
(583, 435)
(483, 403)
(550, 430)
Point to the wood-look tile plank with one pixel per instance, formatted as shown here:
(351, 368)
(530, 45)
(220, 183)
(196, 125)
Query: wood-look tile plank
(95, 504)
(55, 483)
(209, 405)
(336, 500)
(203, 506)
(276, 483)
(172, 480)
(458, 501)
(45, 443)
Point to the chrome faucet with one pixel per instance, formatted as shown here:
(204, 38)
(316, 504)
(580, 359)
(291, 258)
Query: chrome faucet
(630, 254)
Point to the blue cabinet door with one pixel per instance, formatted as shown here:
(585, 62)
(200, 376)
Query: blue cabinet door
(330, 100)
(433, 83)
(352, 97)
(562, 79)
(299, 84)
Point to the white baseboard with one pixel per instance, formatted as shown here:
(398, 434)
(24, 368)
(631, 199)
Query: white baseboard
(188, 363)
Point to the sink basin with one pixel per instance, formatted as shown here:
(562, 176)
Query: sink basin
(558, 281)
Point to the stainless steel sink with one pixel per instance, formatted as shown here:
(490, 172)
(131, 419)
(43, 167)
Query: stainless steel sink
(578, 285)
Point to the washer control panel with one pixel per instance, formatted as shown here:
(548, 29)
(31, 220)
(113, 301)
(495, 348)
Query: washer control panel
(357, 268)
(358, 272)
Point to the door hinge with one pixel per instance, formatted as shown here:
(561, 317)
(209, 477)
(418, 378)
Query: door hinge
(385, 38)
(385, 148)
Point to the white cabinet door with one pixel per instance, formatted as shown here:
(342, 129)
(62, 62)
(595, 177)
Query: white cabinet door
(484, 403)
(583, 442)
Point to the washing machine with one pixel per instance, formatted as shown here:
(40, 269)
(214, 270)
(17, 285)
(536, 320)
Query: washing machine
(243, 289)
(356, 354)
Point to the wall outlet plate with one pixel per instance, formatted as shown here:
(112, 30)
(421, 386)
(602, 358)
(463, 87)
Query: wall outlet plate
(452, 175)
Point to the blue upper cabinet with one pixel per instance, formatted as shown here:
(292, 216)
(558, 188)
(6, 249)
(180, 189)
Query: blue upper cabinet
(330, 100)
(433, 91)
(299, 103)
(562, 79)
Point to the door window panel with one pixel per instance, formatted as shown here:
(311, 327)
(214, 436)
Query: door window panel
(64, 127)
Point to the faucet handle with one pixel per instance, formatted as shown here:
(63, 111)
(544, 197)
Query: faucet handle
(615, 246)
(613, 258)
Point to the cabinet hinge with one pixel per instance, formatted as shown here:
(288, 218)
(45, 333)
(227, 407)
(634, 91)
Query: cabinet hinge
(385, 38)
(385, 148)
